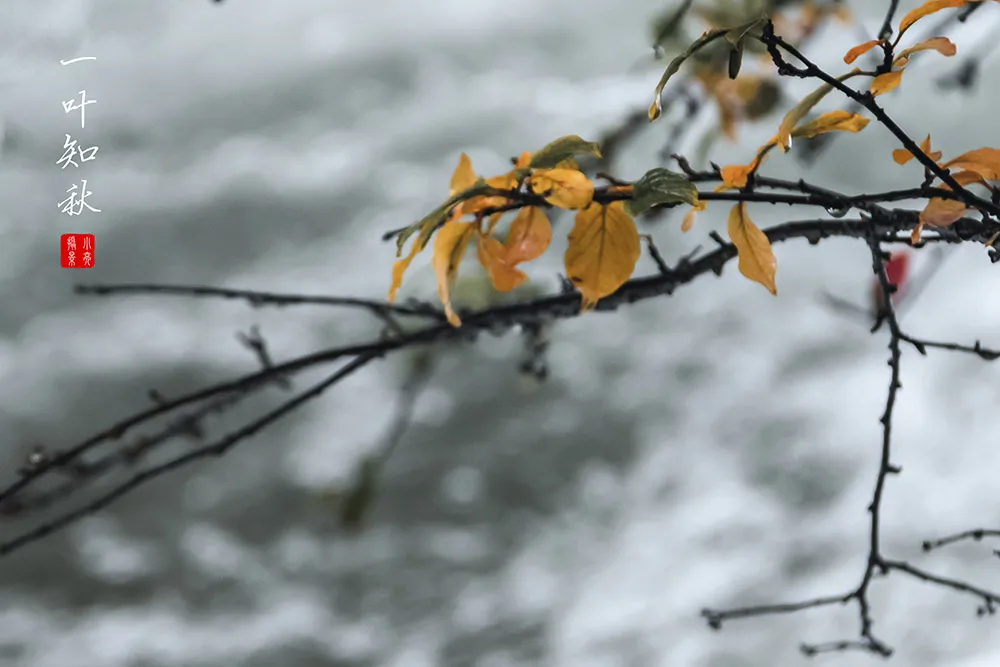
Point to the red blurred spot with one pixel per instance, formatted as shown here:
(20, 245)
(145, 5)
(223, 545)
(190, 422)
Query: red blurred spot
(897, 267)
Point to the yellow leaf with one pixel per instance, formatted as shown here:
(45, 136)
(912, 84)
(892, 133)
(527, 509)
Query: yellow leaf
(756, 257)
(565, 188)
(915, 234)
(902, 156)
(603, 250)
(688, 222)
(494, 258)
(883, 83)
(860, 50)
(942, 212)
(784, 139)
(983, 161)
(399, 268)
(449, 247)
(736, 176)
(464, 177)
(925, 9)
(529, 235)
(503, 182)
(964, 178)
(834, 121)
(568, 163)
(942, 45)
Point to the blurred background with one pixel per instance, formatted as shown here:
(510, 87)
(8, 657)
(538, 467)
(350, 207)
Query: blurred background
(713, 449)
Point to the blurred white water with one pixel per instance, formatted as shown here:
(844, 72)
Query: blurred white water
(716, 448)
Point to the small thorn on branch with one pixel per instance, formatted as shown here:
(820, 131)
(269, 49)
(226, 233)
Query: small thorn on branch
(654, 252)
(255, 342)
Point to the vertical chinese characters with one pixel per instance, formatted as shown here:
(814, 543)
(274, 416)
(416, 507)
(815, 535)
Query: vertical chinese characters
(74, 154)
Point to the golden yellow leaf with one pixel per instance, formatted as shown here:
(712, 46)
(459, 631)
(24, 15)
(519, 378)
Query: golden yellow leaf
(883, 83)
(925, 9)
(399, 268)
(942, 212)
(449, 248)
(860, 50)
(734, 176)
(964, 178)
(784, 139)
(603, 250)
(502, 182)
(529, 235)
(756, 257)
(983, 161)
(915, 235)
(689, 217)
(464, 177)
(902, 156)
(523, 160)
(565, 188)
(494, 258)
(942, 45)
(834, 121)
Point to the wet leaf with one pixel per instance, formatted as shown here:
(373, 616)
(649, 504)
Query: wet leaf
(562, 149)
(660, 186)
(756, 257)
(565, 188)
(449, 248)
(603, 250)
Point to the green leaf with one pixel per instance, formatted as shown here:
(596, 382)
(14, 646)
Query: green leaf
(700, 43)
(436, 218)
(561, 149)
(660, 186)
(735, 60)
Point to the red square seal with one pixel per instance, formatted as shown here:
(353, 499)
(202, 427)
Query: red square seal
(76, 251)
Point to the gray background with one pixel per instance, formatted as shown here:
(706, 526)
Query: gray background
(716, 448)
